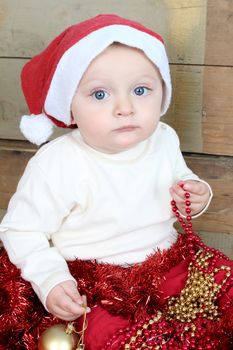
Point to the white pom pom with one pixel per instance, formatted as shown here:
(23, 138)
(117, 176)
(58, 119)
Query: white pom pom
(36, 128)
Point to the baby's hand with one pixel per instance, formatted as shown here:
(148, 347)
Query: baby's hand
(65, 302)
(199, 195)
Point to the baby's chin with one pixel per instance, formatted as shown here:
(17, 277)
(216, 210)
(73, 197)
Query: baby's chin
(113, 149)
(118, 142)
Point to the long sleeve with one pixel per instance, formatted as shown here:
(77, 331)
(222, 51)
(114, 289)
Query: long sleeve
(35, 212)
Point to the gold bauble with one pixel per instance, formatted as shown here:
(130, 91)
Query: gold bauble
(57, 338)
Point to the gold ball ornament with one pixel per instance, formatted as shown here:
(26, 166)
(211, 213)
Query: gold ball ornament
(58, 337)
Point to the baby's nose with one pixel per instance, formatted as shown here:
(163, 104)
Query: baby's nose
(124, 107)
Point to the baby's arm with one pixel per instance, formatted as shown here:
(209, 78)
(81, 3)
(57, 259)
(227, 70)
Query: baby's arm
(34, 212)
(65, 302)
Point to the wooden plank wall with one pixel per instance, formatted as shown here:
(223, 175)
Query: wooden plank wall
(198, 35)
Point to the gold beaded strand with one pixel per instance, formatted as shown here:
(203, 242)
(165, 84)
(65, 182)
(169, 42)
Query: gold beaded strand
(196, 298)
(200, 292)
(133, 339)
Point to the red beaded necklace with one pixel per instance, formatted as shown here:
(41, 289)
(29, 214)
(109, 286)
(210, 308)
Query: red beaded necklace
(185, 321)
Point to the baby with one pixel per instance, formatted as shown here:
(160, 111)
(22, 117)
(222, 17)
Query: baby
(117, 108)
(103, 190)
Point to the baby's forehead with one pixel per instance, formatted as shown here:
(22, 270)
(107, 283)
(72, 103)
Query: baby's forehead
(118, 51)
(118, 46)
(120, 57)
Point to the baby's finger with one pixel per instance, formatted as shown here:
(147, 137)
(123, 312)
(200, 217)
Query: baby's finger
(64, 315)
(177, 194)
(182, 195)
(69, 311)
(84, 303)
(195, 187)
(73, 293)
(84, 300)
(75, 308)
(76, 297)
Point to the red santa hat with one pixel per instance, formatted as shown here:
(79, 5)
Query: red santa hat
(49, 80)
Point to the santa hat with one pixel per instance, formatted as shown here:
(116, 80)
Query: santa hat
(49, 80)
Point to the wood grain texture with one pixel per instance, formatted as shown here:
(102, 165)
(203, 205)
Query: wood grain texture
(218, 172)
(12, 164)
(219, 33)
(185, 113)
(221, 241)
(28, 26)
(13, 160)
(217, 123)
(12, 102)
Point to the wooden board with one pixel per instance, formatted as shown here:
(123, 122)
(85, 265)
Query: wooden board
(217, 171)
(219, 39)
(202, 109)
(185, 113)
(27, 26)
(221, 241)
(217, 122)
(12, 103)
(12, 164)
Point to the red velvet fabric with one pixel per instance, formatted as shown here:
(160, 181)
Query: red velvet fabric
(101, 327)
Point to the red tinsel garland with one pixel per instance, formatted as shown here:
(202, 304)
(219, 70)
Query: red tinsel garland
(132, 291)
(135, 292)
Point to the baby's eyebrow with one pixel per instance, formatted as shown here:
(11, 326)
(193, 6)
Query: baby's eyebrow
(105, 80)
(146, 77)
(94, 81)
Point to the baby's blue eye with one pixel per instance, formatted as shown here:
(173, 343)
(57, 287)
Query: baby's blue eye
(100, 94)
(141, 90)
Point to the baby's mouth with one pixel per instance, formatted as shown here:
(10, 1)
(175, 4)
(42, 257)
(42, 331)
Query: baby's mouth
(126, 128)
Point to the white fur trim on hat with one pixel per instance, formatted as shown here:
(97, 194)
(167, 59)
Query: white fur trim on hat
(36, 128)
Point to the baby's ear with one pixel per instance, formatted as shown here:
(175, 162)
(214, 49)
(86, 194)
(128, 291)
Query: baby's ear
(163, 94)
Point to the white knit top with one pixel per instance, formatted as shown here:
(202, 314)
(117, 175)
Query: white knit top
(75, 202)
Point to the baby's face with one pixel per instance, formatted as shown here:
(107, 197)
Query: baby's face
(118, 100)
